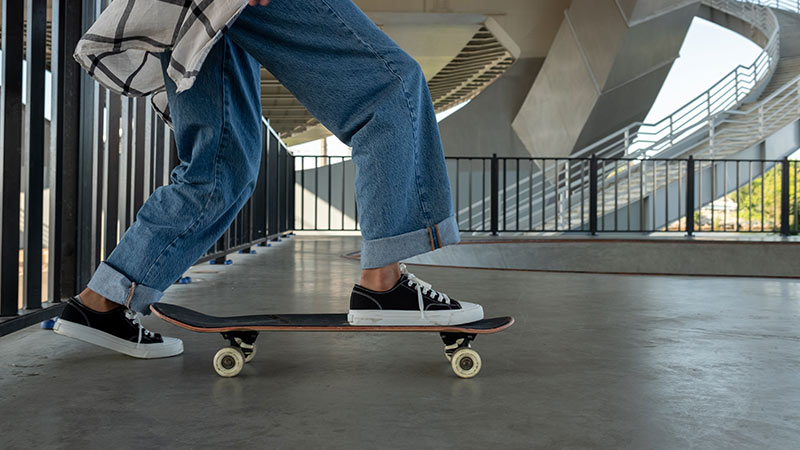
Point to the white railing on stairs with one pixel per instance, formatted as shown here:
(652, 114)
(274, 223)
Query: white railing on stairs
(740, 128)
(648, 140)
(787, 5)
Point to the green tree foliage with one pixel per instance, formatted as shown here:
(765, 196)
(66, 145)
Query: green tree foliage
(753, 205)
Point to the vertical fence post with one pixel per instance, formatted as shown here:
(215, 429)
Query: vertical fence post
(11, 153)
(33, 158)
(494, 199)
(65, 124)
(690, 197)
(593, 195)
(785, 197)
(85, 176)
(291, 188)
(272, 186)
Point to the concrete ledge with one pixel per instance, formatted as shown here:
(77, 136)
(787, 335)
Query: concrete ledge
(667, 256)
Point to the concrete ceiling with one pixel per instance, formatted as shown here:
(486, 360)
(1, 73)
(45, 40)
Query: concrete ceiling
(462, 46)
(460, 54)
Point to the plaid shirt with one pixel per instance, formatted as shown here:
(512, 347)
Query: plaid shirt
(120, 49)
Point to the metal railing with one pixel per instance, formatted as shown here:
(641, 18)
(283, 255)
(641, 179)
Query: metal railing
(590, 195)
(738, 129)
(701, 113)
(786, 5)
(323, 200)
(106, 155)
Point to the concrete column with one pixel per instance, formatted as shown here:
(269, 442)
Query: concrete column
(483, 126)
(603, 71)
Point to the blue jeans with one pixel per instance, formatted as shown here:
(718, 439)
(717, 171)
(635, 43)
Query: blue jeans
(355, 80)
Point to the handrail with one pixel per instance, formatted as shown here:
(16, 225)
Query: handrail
(645, 140)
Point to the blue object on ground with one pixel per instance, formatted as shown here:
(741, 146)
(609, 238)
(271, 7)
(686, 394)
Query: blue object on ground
(48, 324)
(227, 261)
(184, 280)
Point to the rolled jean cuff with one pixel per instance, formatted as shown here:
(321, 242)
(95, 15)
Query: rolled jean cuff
(384, 251)
(117, 288)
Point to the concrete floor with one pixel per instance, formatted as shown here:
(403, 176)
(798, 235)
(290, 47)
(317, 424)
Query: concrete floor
(594, 361)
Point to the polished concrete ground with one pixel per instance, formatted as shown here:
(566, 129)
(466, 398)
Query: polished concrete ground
(594, 361)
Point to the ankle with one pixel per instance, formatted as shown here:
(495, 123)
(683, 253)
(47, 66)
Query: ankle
(382, 278)
(96, 302)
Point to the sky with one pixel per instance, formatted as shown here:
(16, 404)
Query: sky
(708, 53)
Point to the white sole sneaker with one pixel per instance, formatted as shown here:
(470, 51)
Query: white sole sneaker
(469, 312)
(170, 346)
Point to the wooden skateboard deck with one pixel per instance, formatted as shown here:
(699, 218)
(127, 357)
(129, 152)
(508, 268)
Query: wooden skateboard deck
(242, 332)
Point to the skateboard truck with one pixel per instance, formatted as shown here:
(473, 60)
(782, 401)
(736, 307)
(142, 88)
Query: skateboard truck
(230, 360)
(465, 361)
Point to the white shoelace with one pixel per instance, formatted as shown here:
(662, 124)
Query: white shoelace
(423, 287)
(135, 318)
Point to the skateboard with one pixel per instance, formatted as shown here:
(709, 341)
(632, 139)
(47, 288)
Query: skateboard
(242, 332)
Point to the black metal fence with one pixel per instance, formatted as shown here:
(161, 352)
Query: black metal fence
(591, 195)
(320, 195)
(84, 173)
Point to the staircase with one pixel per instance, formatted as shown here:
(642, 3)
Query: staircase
(743, 119)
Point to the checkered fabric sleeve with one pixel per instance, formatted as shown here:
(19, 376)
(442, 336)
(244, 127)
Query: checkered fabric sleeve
(120, 49)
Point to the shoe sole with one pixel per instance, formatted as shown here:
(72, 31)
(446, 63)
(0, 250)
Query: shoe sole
(369, 317)
(170, 347)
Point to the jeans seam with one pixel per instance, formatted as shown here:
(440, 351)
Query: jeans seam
(405, 94)
(214, 186)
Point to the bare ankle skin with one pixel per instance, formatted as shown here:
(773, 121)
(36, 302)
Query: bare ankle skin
(381, 278)
(95, 301)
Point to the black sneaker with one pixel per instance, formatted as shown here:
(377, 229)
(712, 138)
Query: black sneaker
(411, 301)
(118, 330)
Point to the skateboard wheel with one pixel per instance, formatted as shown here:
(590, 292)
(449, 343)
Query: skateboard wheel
(252, 354)
(228, 362)
(466, 362)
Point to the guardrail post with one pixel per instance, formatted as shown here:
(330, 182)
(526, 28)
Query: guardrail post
(785, 197)
(494, 199)
(11, 106)
(33, 156)
(690, 197)
(671, 131)
(711, 135)
(593, 195)
(64, 151)
(627, 141)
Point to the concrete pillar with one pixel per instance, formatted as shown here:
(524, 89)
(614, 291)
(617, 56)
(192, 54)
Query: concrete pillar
(603, 71)
(483, 126)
